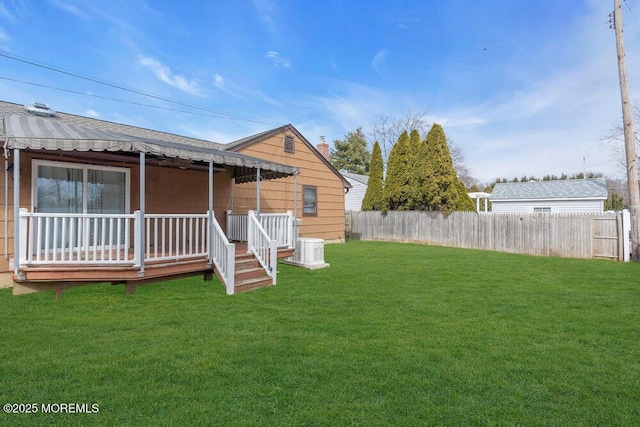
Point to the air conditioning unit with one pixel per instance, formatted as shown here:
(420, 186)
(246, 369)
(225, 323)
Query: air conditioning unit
(309, 253)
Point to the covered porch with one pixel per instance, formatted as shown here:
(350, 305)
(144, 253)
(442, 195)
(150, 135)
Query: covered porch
(56, 250)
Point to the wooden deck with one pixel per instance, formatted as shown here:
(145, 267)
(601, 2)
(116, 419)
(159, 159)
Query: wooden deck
(62, 276)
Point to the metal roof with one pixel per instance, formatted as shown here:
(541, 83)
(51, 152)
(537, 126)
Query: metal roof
(561, 189)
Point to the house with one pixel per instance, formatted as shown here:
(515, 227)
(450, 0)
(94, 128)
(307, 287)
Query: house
(317, 193)
(98, 201)
(561, 196)
(353, 199)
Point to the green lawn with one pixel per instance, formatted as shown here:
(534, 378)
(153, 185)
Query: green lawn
(396, 334)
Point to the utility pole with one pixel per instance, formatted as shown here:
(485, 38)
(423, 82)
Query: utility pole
(630, 148)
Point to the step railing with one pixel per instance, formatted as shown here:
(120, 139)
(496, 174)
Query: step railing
(222, 254)
(262, 246)
(279, 227)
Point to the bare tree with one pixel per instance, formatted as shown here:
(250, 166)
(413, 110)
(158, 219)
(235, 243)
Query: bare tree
(613, 141)
(387, 129)
(457, 157)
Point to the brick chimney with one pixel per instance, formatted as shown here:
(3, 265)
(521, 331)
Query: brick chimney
(323, 148)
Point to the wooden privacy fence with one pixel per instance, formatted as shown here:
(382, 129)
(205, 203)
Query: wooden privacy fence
(566, 235)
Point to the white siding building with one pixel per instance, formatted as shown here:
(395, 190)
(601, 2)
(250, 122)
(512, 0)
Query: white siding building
(353, 199)
(562, 196)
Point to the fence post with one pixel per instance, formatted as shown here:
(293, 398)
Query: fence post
(22, 256)
(231, 261)
(138, 248)
(289, 229)
(273, 252)
(626, 233)
(250, 237)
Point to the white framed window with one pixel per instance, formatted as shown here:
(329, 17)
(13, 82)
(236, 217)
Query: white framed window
(74, 188)
(62, 187)
(309, 200)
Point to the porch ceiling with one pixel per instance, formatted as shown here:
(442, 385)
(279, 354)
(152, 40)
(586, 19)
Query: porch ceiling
(37, 133)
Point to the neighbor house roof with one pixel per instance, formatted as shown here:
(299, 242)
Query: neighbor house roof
(362, 179)
(250, 140)
(593, 188)
(59, 131)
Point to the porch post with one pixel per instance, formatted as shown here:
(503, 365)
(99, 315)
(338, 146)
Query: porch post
(295, 196)
(211, 186)
(258, 193)
(295, 209)
(16, 211)
(6, 208)
(142, 210)
(210, 230)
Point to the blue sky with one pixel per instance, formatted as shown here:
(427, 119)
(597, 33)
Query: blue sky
(522, 87)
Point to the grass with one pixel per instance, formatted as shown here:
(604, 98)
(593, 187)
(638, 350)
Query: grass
(390, 334)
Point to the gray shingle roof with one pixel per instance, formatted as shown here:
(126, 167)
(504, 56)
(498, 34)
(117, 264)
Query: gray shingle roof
(362, 179)
(562, 189)
(88, 122)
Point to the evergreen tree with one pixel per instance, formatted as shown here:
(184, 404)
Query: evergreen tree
(615, 202)
(418, 172)
(397, 183)
(351, 154)
(444, 193)
(464, 201)
(374, 197)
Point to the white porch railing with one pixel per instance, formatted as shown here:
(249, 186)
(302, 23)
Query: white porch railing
(175, 237)
(262, 246)
(277, 226)
(223, 254)
(50, 238)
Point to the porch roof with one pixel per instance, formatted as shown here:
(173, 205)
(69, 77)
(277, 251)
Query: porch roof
(37, 133)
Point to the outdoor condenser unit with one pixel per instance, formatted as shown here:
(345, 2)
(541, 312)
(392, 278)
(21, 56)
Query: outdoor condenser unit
(309, 253)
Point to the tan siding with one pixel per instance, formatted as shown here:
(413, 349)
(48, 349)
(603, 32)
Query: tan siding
(278, 195)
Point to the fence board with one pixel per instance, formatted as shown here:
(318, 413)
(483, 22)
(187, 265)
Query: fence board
(565, 235)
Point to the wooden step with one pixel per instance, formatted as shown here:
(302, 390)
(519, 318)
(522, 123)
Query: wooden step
(248, 273)
(251, 284)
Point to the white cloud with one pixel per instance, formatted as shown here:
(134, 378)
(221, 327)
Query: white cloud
(276, 60)
(267, 13)
(231, 88)
(70, 8)
(163, 73)
(378, 60)
(91, 113)
(3, 36)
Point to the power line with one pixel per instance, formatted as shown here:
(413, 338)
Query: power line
(130, 102)
(630, 10)
(219, 113)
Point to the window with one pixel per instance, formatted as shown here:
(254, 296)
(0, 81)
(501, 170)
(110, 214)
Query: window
(542, 210)
(76, 188)
(309, 201)
(289, 146)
